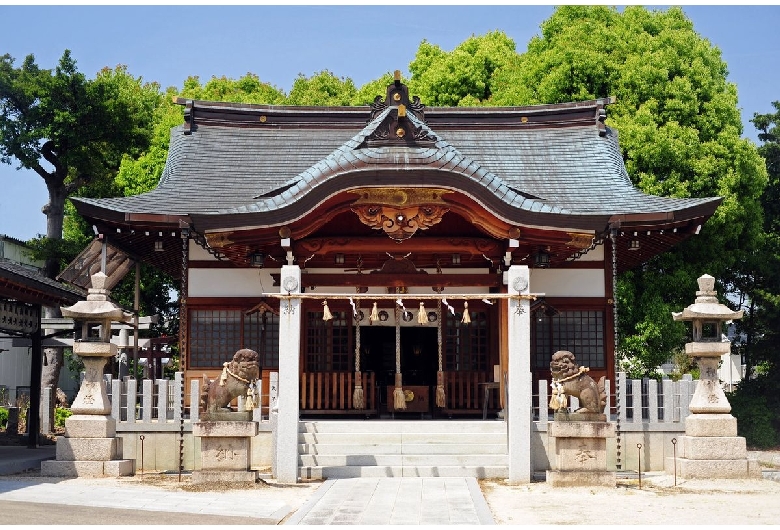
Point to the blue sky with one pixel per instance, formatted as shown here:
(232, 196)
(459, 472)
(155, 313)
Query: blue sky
(168, 43)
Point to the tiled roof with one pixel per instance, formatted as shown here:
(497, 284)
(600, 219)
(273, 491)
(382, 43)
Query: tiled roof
(23, 280)
(222, 168)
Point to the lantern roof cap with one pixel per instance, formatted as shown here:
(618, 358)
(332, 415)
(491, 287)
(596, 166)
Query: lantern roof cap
(97, 306)
(706, 306)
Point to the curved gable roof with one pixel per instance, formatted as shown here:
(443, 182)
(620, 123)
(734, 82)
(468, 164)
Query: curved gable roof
(275, 162)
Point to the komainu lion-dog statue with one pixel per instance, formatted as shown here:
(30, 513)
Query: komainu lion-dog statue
(570, 379)
(238, 378)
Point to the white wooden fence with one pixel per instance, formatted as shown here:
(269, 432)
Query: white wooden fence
(662, 404)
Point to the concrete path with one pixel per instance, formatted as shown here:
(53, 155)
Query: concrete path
(396, 501)
(369, 501)
(106, 493)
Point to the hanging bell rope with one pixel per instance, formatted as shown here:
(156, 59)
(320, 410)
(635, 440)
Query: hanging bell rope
(441, 398)
(374, 316)
(399, 398)
(466, 316)
(358, 400)
(326, 314)
(422, 316)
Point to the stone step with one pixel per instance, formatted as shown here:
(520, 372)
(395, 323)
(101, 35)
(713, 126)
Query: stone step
(318, 472)
(404, 460)
(387, 438)
(403, 426)
(387, 449)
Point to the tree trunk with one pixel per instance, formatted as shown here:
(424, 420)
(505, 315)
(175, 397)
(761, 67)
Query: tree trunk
(55, 213)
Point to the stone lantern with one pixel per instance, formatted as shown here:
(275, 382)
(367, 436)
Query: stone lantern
(710, 447)
(90, 446)
(707, 316)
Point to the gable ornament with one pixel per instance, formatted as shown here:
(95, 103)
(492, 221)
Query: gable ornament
(400, 212)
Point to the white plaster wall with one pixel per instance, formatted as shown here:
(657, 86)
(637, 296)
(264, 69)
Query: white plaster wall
(597, 254)
(230, 282)
(198, 253)
(568, 282)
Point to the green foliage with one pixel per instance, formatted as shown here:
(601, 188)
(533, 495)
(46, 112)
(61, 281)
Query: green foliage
(464, 76)
(368, 92)
(3, 417)
(60, 415)
(158, 295)
(74, 363)
(80, 128)
(760, 278)
(61, 250)
(683, 364)
(680, 134)
(323, 88)
(757, 411)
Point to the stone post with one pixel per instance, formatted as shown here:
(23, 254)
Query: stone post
(518, 408)
(289, 353)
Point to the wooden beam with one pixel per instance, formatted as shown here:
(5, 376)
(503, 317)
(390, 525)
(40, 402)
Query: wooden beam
(401, 280)
(429, 245)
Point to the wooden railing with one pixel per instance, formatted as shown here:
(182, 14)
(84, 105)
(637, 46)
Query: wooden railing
(331, 392)
(464, 392)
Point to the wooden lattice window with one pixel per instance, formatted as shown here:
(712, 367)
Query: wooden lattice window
(261, 333)
(466, 346)
(328, 342)
(217, 334)
(580, 332)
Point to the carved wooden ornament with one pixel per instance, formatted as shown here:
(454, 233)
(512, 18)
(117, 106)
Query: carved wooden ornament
(400, 212)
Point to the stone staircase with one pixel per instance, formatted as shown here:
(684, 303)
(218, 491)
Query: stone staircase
(402, 448)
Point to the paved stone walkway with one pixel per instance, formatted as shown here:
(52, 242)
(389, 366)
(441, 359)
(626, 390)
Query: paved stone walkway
(396, 501)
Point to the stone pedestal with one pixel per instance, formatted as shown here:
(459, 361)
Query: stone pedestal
(578, 451)
(225, 451)
(711, 449)
(90, 447)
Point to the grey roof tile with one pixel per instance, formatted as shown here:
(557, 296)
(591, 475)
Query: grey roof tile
(226, 169)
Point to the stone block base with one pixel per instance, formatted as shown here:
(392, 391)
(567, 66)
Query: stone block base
(607, 479)
(84, 426)
(229, 429)
(224, 475)
(711, 457)
(713, 469)
(102, 449)
(712, 448)
(706, 425)
(76, 468)
(577, 450)
(222, 416)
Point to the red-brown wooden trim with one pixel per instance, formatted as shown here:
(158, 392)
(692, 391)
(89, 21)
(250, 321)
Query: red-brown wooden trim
(401, 280)
(208, 264)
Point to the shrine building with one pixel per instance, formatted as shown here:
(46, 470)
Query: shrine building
(396, 247)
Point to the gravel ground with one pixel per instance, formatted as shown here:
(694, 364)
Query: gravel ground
(658, 501)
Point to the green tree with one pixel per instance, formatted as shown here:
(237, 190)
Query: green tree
(755, 402)
(323, 88)
(70, 130)
(73, 132)
(680, 133)
(464, 76)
